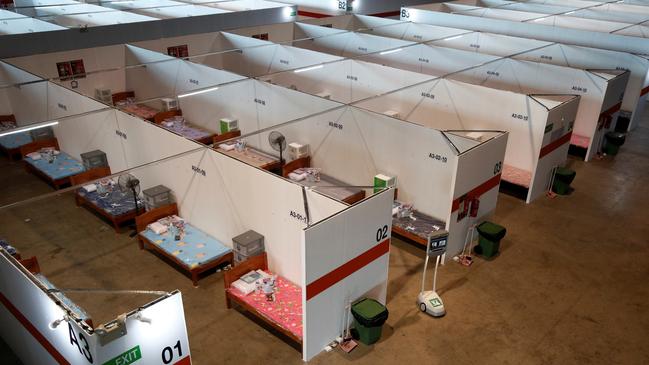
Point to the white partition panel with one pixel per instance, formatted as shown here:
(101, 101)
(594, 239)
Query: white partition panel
(28, 313)
(94, 59)
(601, 91)
(253, 103)
(346, 258)
(442, 104)
(439, 14)
(351, 44)
(347, 81)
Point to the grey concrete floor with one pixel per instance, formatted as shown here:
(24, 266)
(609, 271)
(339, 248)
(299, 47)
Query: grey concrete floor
(570, 285)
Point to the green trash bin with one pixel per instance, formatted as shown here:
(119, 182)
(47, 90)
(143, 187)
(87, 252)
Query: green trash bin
(369, 317)
(490, 235)
(613, 142)
(562, 180)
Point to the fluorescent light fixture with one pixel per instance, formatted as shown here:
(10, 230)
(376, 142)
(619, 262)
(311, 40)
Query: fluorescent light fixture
(308, 68)
(570, 12)
(28, 128)
(391, 51)
(198, 92)
(539, 19)
(452, 38)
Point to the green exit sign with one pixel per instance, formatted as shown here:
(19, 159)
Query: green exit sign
(126, 358)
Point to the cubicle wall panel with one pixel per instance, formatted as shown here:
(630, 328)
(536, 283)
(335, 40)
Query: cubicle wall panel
(27, 314)
(95, 131)
(477, 178)
(346, 258)
(53, 66)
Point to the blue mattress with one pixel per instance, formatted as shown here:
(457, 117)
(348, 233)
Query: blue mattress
(115, 203)
(15, 140)
(195, 249)
(63, 166)
(61, 297)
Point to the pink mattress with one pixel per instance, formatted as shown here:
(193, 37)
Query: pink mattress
(579, 141)
(516, 176)
(285, 311)
(142, 111)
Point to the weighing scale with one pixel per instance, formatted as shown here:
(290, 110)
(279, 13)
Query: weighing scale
(428, 300)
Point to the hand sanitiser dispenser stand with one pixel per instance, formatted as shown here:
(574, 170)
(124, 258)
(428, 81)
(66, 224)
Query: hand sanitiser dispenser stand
(428, 300)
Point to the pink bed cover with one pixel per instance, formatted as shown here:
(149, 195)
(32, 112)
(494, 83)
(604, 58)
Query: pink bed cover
(516, 176)
(579, 141)
(286, 310)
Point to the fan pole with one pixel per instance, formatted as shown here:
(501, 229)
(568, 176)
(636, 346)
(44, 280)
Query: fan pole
(137, 208)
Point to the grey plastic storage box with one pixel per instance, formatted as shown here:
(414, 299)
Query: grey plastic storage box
(42, 133)
(94, 159)
(156, 197)
(247, 245)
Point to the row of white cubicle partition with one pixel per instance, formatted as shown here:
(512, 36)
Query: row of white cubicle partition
(449, 112)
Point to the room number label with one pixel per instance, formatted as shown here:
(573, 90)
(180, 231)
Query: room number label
(428, 95)
(424, 60)
(285, 62)
(362, 49)
(298, 216)
(382, 233)
(260, 101)
(544, 57)
(336, 125)
(198, 170)
(493, 73)
(62, 106)
(437, 157)
(476, 46)
(120, 134)
(352, 77)
(192, 81)
(580, 89)
(405, 13)
(169, 352)
(520, 116)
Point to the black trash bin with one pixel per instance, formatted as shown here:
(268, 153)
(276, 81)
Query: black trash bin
(613, 141)
(369, 317)
(562, 180)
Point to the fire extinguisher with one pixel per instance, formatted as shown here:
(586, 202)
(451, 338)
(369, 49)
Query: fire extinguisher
(475, 206)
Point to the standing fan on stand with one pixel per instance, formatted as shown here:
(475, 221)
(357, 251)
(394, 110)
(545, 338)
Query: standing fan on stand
(278, 142)
(130, 184)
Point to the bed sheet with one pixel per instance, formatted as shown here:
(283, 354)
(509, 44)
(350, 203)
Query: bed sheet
(331, 187)
(285, 310)
(60, 296)
(196, 248)
(141, 110)
(186, 129)
(418, 223)
(115, 203)
(15, 140)
(61, 167)
(516, 176)
(580, 141)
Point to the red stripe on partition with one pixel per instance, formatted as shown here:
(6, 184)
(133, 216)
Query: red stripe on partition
(612, 110)
(644, 91)
(556, 144)
(387, 14)
(312, 15)
(332, 278)
(185, 361)
(33, 330)
(477, 191)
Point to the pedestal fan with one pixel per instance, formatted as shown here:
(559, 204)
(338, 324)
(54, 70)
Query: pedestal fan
(129, 184)
(278, 142)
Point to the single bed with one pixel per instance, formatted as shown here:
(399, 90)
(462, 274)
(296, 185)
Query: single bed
(125, 101)
(31, 264)
(195, 253)
(116, 206)
(516, 176)
(10, 144)
(250, 155)
(284, 313)
(174, 121)
(327, 185)
(417, 226)
(56, 172)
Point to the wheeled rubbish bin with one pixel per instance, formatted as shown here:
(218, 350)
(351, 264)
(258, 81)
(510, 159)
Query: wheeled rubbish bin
(369, 317)
(490, 235)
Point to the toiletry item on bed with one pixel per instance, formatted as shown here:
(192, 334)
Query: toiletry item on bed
(248, 282)
(297, 176)
(158, 228)
(34, 156)
(226, 146)
(90, 188)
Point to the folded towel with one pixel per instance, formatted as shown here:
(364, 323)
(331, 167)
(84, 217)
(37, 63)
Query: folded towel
(226, 147)
(34, 156)
(297, 177)
(90, 187)
(158, 228)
